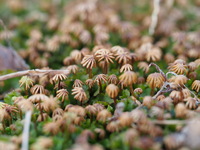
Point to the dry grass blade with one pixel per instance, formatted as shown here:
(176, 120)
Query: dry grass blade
(154, 17)
(169, 122)
(25, 134)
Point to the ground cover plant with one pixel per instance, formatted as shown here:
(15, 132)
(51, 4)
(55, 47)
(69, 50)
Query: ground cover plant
(99, 74)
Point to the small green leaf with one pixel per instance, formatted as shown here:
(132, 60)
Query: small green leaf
(110, 109)
(10, 97)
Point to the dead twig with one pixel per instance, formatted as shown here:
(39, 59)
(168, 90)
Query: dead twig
(169, 122)
(159, 70)
(34, 72)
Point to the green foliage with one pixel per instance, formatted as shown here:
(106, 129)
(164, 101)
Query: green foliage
(10, 97)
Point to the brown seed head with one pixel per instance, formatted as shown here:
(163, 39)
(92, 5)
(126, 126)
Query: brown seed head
(113, 126)
(148, 101)
(103, 115)
(112, 79)
(176, 96)
(59, 77)
(125, 119)
(155, 80)
(128, 78)
(169, 58)
(99, 107)
(144, 66)
(89, 83)
(42, 143)
(42, 117)
(90, 109)
(77, 56)
(192, 66)
(101, 132)
(104, 55)
(25, 105)
(117, 49)
(196, 85)
(153, 54)
(38, 98)
(51, 128)
(181, 110)
(190, 103)
(78, 83)
(26, 81)
(63, 94)
(79, 94)
(68, 61)
(179, 80)
(89, 62)
(73, 69)
(101, 78)
(78, 110)
(48, 105)
(138, 91)
(130, 136)
(126, 67)
(123, 57)
(178, 68)
(112, 90)
(37, 89)
(53, 44)
(186, 93)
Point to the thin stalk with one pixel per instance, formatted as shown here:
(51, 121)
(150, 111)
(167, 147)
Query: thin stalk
(20, 114)
(58, 84)
(40, 108)
(91, 118)
(100, 87)
(152, 90)
(90, 73)
(132, 91)
(115, 101)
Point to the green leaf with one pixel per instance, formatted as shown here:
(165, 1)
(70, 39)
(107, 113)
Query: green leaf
(110, 109)
(10, 97)
(125, 94)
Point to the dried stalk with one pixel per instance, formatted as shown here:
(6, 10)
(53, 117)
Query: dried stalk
(169, 122)
(25, 134)
(34, 72)
(159, 70)
(154, 16)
